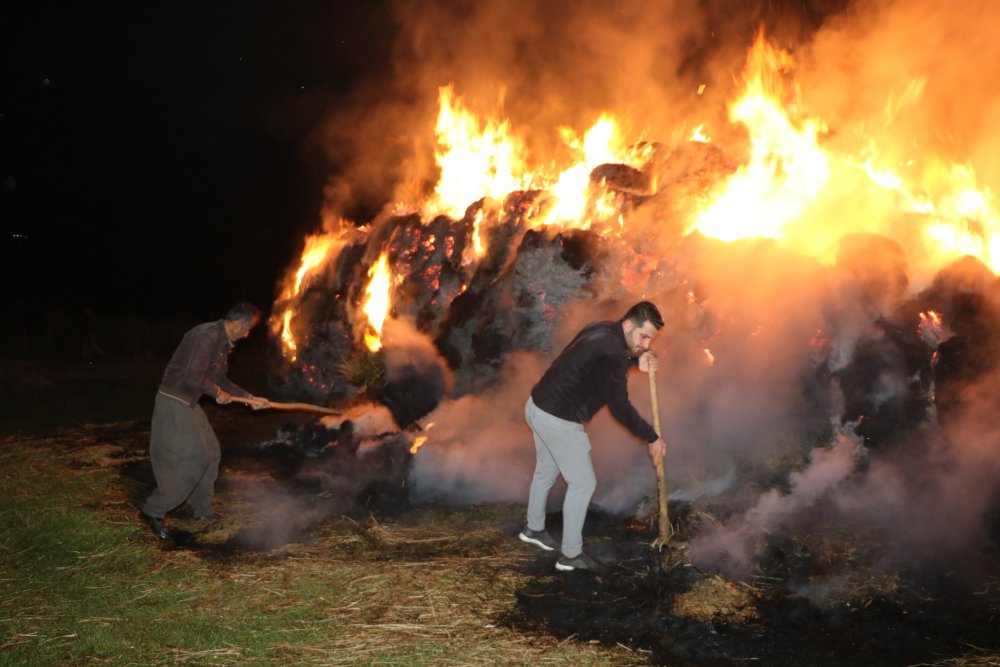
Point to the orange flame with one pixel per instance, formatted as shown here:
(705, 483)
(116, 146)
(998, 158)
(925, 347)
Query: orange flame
(317, 248)
(483, 158)
(790, 186)
(377, 301)
(476, 159)
(418, 442)
(571, 192)
(786, 170)
(476, 249)
(699, 135)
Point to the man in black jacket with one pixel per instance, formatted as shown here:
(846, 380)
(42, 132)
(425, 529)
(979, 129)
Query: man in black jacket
(589, 374)
(183, 448)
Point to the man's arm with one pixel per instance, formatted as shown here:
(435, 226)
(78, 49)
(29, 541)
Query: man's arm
(614, 388)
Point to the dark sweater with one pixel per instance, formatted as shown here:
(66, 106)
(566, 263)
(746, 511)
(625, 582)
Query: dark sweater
(199, 365)
(590, 373)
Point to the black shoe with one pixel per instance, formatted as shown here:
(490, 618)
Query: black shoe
(539, 538)
(159, 528)
(581, 562)
(211, 516)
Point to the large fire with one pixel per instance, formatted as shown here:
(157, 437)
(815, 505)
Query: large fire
(791, 187)
(786, 170)
(822, 244)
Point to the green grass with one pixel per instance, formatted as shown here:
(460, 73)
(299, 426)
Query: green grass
(84, 583)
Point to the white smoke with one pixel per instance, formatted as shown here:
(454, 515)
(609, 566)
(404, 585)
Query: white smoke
(731, 547)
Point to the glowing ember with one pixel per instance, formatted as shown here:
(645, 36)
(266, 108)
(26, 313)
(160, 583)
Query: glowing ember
(931, 329)
(376, 305)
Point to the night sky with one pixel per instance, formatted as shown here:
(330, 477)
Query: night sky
(160, 158)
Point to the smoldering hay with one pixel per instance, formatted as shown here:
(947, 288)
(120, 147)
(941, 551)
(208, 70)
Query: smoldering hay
(817, 191)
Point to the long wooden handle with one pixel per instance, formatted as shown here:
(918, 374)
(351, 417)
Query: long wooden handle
(661, 482)
(294, 407)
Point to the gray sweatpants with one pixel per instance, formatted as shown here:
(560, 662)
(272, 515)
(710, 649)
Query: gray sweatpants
(561, 447)
(185, 456)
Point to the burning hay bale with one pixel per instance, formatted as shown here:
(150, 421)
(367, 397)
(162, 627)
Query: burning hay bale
(430, 256)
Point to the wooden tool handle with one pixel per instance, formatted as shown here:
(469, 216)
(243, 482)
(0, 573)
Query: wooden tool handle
(295, 407)
(661, 481)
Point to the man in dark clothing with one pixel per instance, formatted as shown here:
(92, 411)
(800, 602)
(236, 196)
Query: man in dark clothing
(589, 374)
(183, 448)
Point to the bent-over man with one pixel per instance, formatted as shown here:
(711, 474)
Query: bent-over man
(590, 373)
(183, 448)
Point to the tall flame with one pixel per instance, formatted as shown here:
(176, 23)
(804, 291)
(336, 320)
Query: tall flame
(484, 158)
(377, 300)
(476, 159)
(317, 248)
(570, 190)
(786, 169)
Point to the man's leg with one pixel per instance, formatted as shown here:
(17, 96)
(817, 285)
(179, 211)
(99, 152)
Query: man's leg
(176, 454)
(546, 473)
(569, 447)
(204, 491)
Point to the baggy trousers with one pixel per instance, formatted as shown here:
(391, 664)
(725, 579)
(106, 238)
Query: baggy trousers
(561, 447)
(185, 455)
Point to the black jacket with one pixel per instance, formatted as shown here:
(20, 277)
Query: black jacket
(590, 373)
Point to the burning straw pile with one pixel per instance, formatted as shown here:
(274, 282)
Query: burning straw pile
(827, 363)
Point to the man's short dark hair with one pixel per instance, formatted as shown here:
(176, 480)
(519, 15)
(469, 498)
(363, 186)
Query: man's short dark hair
(244, 311)
(643, 312)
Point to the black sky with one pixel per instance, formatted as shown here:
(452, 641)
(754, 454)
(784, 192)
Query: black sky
(158, 158)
